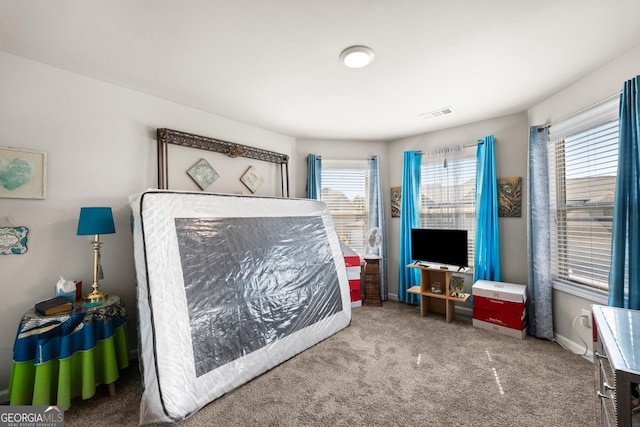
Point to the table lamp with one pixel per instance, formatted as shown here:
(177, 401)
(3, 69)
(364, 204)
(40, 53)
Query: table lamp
(95, 221)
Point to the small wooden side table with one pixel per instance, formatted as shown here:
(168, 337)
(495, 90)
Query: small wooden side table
(372, 282)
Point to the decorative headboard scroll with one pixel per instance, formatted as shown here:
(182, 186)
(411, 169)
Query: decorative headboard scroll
(169, 136)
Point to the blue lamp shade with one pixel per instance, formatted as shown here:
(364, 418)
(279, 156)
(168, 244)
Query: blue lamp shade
(95, 221)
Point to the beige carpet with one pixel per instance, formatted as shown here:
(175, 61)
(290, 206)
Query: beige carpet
(392, 367)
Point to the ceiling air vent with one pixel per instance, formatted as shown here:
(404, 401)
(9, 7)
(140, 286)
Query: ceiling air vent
(437, 113)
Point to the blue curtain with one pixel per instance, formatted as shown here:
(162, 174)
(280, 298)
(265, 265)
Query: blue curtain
(376, 219)
(625, 241)
(539, 288)
(409, 218)
(487, 258)
(314, 173)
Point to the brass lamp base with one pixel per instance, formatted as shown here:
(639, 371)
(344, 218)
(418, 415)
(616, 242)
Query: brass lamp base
(95, 296)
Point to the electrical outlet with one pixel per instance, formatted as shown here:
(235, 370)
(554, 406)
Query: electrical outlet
(586, 321)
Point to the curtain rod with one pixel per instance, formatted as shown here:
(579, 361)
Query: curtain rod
(580, 111)
(464, 146)
(347, 158)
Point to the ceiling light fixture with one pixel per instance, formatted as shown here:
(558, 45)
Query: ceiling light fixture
(356, 56)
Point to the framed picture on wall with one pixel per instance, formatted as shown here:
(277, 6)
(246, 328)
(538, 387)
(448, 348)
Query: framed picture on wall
(252, 179)
(510, 197)
(396, 196)
(22, 173)
(203, 174)
(13, 240)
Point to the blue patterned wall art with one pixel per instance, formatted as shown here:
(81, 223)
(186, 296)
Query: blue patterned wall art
(13, 240)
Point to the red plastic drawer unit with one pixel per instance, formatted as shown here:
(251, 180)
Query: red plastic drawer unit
(491, 304)
(352, 263)
(515, 321)
(500, 307)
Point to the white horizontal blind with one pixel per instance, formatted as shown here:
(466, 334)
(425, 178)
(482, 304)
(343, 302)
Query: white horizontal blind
(345, 190)
(447, 193)
(583, 168)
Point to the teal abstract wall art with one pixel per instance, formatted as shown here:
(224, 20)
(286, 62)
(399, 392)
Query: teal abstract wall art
(13, 240)
(22, 173)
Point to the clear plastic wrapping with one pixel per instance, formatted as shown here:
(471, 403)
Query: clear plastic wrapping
(229, 287)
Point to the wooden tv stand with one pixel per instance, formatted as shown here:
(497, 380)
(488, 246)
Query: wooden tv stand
(428, 276)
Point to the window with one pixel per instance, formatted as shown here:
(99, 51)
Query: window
(583, 163)
(447, 193)
(345, 190)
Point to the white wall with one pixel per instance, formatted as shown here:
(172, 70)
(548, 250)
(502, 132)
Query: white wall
(100, 142)
(596, 86)
(511, 138)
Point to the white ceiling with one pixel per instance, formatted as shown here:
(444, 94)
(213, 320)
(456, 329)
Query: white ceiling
(274, 63)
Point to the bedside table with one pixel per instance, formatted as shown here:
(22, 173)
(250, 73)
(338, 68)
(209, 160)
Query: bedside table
(59, 357)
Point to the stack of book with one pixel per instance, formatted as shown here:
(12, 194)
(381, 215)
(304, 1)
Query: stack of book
(55, 305)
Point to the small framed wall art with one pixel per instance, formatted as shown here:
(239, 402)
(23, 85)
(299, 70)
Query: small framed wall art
(252, 179)
(13, 240)
(510, 197)
(22, 173)
(396, 198)
(203, 174)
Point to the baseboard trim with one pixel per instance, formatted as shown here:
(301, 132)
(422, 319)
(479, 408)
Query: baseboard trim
(574, 347)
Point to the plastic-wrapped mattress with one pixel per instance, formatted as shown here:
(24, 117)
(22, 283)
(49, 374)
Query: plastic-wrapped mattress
(229, 287)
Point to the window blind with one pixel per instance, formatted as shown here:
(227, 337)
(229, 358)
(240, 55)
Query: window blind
(447, 193)
(345, 190)
(583, 166)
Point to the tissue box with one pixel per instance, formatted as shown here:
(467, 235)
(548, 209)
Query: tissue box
(72, 296)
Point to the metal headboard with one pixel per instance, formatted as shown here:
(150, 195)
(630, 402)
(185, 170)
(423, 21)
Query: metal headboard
(170, 136)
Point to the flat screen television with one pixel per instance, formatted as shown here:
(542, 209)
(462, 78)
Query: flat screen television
(439, 247)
